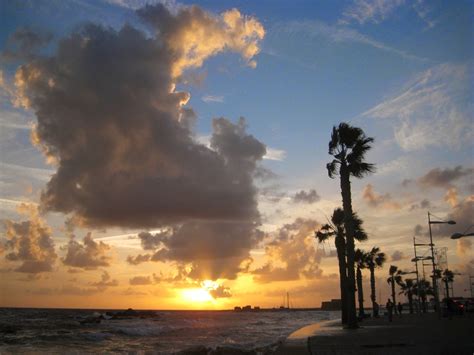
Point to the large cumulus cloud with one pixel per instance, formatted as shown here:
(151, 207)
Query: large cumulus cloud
(110, 118)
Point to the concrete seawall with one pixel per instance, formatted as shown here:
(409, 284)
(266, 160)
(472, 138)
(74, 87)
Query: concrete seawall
(408, 334)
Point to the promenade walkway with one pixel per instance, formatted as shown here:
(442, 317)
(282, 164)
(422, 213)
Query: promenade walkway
(408, 334)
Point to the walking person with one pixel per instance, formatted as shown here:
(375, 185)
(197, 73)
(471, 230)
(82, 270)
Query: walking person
(376, 310)
(400, 309)
(389, 306)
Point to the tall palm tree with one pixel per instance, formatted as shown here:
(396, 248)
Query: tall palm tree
(375, 259)
(335, 228)
(348, 146)
(407, 287)
(447, 278)
(394, 278)
(361, 262)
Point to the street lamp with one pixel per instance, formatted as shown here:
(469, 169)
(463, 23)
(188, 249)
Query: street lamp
(435, 283)
(461, 235)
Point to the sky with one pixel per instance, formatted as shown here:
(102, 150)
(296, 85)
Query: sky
(172, 155)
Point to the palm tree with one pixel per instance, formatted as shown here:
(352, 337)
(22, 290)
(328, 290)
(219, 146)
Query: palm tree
(348, 146)
(423, 288)
(361, 262)
(375, 259)
(407, 289)
(336, 228)
(395, 277)
(448, 276)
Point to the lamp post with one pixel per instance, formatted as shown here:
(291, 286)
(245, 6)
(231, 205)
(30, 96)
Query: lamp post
(435, 283)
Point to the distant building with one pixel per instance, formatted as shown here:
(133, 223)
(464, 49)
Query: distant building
(237, 308)
(333, 305)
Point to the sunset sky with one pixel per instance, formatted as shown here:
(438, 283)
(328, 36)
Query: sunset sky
(174, 156)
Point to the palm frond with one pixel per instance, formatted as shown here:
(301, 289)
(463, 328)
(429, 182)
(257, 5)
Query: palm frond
(334, 142)
(359, 232)
(332, 168)
(338, 217)
(360, 169)
(349, 135)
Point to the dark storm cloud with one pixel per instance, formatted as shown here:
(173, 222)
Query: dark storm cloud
(150, 241)
(30, 243)
(88, 255)
(212, 249)
(110, 117)
(310, 196)
(444, 177)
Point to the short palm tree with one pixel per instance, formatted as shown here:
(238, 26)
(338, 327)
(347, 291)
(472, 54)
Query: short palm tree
(336, 228)
(394, 278)
(407, 287)
(447, 278)
(375, 259)
(361, 263)
(423, 289)
(348, 146)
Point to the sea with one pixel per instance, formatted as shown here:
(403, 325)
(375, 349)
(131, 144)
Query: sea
(75, 331)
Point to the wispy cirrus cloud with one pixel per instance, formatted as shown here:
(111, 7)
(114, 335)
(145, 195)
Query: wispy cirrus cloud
(375, 11)
(334, 33)
(432, 110)
(378, 11)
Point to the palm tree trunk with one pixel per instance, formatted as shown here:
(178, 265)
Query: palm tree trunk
(350, 249)
(372, 287)
(393, 296)
(341, 256)
(446, 285)
(360, 293)
(410, 301)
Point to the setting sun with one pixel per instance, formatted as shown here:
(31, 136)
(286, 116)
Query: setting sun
(196, 295)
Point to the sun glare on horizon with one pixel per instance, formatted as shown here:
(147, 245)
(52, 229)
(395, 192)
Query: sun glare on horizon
(196, 295)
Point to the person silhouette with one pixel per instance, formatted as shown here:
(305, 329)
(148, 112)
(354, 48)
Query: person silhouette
(389, 305)
(400, 308)
(376, 310)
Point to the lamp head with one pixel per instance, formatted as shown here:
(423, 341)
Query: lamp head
(456, 235)
(451, 222)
